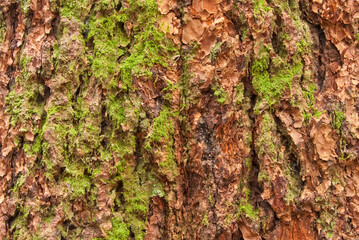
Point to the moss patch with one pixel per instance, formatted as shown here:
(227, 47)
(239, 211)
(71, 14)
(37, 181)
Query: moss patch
(162, 133)
(246, 209)
(270, 82)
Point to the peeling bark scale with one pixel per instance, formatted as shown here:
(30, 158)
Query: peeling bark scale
(202, 119)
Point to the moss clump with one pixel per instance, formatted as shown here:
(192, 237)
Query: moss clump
(205, 220)
(268, 82)
(162, 126)
(303, 47)
(265, 143)
(337, 119)
(327, 221)
(75, 9)
(13, 103)
(239, 93)
(23, 103)
(210, 199)
(25, 5)
(215, 51)
(162, 133)
(294, 183)
(310, 100)
(18, 226)
(149, 45)
(77, 178)
(2, 28)
(219, 93)
(246, 208)
(136, 199)
(117, 110)
(263, 176)
(189, 94)
(109, 40)
(119, 231)
(260, 7)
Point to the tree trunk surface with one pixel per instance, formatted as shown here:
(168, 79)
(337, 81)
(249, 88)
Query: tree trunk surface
(202, 119)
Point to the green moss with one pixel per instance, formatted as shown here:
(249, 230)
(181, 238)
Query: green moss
(239, 93)
(260, 7)
(13, 104)
(120, 230)
(263, 176)
(205, 220)
(246, 209)
(75, 9)
(337, 177)
(22, 102)
(19, 182)
(337, 119)
(158, 190)
(210, 199)
(269, 83)
(137, 198)
(162, 133)
(2, 28)
(265, 143)
(18, 226)
(327, 221)
(106, 35)
(303, 47)
(149, 45)
(24, 63)
(294, 189)
(311, 110)
(189, 94)
(248, 140)
(138, 187)
(162, 126)
(25, 5)
(248, 163)
(80, 184)
(219, 93)
(215, 51)
(228, 219)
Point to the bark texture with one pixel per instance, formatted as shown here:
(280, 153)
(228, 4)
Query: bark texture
(202, 119)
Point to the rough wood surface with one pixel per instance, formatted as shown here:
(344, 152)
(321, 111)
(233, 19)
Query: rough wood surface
(202, 119)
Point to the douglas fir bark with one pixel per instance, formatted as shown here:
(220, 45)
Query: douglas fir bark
(203, 119)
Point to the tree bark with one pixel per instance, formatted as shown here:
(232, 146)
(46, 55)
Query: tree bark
(199, 119)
